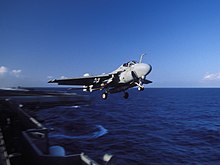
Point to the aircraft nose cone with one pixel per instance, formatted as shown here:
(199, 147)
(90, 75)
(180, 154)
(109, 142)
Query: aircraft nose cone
(142, 70)
(146, 68)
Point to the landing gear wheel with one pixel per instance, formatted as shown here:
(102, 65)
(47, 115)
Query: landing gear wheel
(104, 96)
(126, 95)
(140, 88)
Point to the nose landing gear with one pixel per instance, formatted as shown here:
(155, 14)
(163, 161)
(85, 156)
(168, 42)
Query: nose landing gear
(140, 88)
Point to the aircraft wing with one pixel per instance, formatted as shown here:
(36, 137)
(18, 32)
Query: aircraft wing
(146, 81)
(87, 80)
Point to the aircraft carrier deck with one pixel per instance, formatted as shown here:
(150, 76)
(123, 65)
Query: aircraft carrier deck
(23, 139)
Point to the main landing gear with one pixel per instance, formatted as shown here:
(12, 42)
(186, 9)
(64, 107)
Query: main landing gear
(105, 95)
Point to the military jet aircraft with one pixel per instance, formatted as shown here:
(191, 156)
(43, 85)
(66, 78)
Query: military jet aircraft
(128, 75)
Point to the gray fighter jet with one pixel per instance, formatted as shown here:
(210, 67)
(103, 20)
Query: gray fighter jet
(127, 76)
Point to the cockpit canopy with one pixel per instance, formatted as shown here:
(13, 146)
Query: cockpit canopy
(130, 63)
(125, 65)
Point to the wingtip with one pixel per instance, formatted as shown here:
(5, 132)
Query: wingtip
(52, 81)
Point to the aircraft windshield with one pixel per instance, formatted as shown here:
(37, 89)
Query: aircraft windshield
(130, 63)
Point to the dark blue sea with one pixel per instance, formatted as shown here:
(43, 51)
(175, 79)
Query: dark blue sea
(156, 126)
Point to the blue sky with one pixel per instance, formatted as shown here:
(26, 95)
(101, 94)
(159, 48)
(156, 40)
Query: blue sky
(43, 39)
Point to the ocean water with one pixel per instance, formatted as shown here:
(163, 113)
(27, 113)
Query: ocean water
(156, 126)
